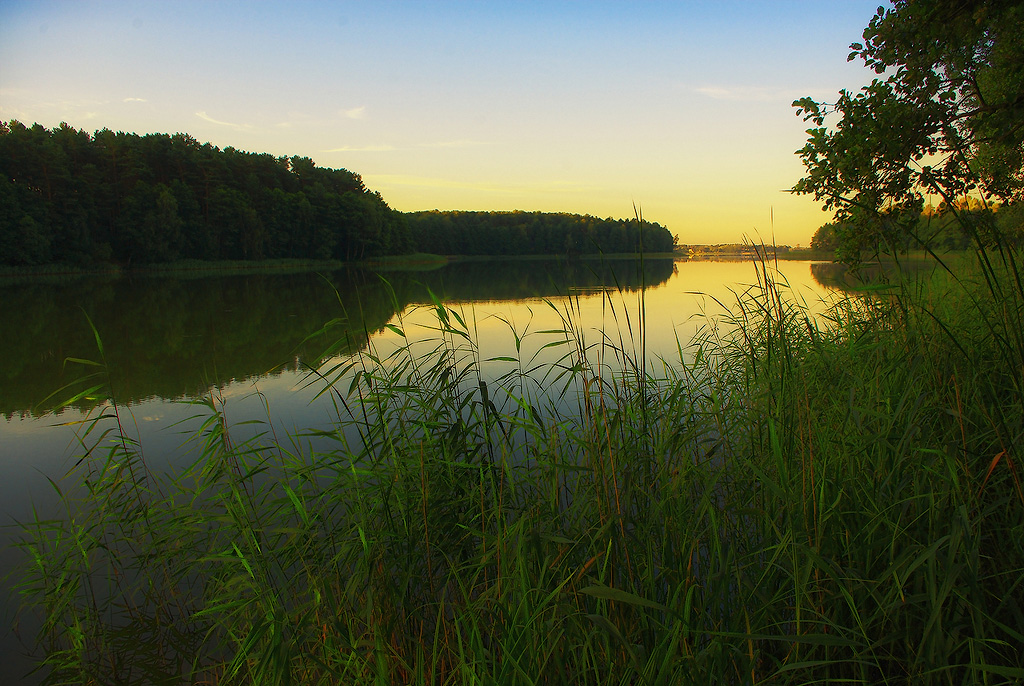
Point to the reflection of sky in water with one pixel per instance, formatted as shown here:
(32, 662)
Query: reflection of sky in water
(676, 308)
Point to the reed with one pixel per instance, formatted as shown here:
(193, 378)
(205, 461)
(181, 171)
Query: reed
(795, 499)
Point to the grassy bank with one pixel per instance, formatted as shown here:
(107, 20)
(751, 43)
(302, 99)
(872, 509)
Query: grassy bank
(408, 262)
(795, 500)
(197, 267)
(412, 262)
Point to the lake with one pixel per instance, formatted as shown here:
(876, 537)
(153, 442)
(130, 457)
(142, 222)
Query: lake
(250, 340)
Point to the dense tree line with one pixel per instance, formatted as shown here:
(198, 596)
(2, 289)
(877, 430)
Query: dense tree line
(949, 226)
(70, 196)
(533, 233)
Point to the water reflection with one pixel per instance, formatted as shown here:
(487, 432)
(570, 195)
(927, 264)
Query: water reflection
(842, 277)
(175, 337)
(166, 337)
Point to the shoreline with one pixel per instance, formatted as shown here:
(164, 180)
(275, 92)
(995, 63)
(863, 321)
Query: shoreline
(411, 262)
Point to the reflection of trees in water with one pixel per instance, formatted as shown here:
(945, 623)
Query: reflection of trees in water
(831, 274)
(514, 280)
(171, 337)
(174, 337)
(841, 276)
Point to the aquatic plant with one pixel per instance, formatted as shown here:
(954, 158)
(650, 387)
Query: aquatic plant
(795, 499)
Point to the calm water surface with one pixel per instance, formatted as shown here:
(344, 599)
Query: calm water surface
(170, 339)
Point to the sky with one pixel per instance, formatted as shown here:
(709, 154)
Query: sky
(680, 109)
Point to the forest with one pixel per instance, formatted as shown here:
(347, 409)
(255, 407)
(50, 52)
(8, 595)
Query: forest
(944, 227)
(533, 233)
(75, 198)
(67, 196)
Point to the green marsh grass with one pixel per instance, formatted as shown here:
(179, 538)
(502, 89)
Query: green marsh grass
(796, 499)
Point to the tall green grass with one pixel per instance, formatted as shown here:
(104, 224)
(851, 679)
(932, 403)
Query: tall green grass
(795, 500)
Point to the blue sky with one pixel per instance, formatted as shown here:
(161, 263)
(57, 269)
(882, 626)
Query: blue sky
(682, 108)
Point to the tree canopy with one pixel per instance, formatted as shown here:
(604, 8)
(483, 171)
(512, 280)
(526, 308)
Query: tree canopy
(944, 117)
(68, 196)
(74, 197)
(533, 233)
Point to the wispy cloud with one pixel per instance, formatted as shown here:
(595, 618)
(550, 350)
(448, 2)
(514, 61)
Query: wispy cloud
(433, 182)
(389, 148)
(499, 190)
(355, 113)
(453, 144)
(748, 93)
(205, 117)
(135, 100)
(364, 148)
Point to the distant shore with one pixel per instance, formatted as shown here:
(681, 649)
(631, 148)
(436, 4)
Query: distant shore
(410, 262)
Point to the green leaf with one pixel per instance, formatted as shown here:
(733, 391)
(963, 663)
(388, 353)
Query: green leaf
(606, 593)
(79, 360)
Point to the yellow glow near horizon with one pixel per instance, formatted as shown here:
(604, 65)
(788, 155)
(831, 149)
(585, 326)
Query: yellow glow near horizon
(681, 109)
